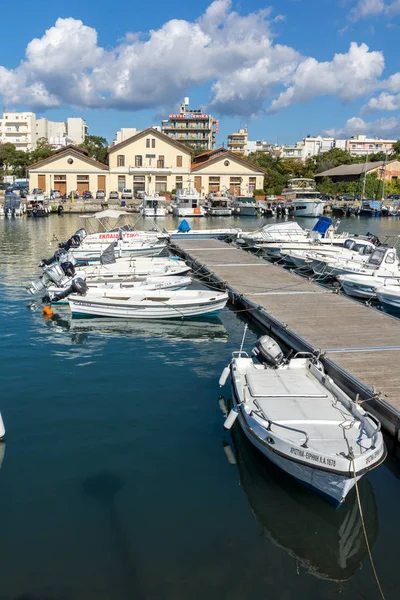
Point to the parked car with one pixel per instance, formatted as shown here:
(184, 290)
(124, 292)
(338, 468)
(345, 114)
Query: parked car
(37, 191)
(140, 194)
(75, 193)
(56, 194)
(391, 197)
(326, 197)
(114, 196)
(4, 186)
(346, 197)
(127, 194)
(100, 194)
(87, 195)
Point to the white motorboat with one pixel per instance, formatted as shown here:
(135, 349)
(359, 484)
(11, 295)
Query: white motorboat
(153, 206)
(318, 256)
(275, 235)
(187, 203)
(136, 247)
(219, 204)
(389, 297)
(382, 268)
(157, 304)
(295, 414)
(306, 199)
(349, 260)
(61, 274)
(60, 293)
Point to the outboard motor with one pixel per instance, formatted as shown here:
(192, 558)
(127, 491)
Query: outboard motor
(78, 286)
(73, 242)
(68, 268)
(57, 256)
(36, 287)
(268, 350)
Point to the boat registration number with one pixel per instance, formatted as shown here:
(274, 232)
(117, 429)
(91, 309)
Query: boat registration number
(316, 458)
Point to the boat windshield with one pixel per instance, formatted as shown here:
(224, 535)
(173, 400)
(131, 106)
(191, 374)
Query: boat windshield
(376, 257)
(306, 195)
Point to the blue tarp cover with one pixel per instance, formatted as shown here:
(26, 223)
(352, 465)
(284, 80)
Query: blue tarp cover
(184, 226)
(322, 225)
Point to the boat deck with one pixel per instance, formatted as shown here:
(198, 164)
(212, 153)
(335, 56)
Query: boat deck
(361, 345)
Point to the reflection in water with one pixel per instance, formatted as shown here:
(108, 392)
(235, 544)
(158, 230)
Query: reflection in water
(329, 544)
(2, 452)
(196, 331)
(103, 487)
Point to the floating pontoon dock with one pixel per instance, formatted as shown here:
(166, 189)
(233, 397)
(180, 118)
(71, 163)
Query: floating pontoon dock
(360, 345)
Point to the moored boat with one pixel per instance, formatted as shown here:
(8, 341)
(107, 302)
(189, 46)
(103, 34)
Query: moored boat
(302, 421)
(187, 203)
(157, 304)
(305, 197)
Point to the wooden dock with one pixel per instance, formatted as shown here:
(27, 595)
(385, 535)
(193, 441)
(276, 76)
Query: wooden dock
(360, 345)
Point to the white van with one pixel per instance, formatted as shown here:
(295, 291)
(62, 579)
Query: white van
(126, 194)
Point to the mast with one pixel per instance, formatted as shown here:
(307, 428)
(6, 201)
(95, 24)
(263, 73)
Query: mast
(384, 177)
(365, 178)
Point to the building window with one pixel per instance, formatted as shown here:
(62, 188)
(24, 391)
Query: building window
(153, 143)
(82, 178)
(178, 182)
(121, 182)
(147, 142)
(120, 160)
(161, 183)
(252, 185)
(179, 160)
(139, 183)
(234, 185)
(213, 184)
(160, 162)
(138, 160)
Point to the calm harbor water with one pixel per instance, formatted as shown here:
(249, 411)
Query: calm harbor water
(115, 482)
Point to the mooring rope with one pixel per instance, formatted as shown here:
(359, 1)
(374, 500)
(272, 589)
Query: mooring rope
(365, 533)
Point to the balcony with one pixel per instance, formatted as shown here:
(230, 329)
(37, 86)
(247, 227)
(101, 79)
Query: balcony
(186, 127)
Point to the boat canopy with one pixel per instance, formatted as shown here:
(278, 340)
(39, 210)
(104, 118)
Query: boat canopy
(322, 225)
(184, 226)
(109, 213)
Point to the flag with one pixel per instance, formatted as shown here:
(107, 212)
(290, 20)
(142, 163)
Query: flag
(108, 256)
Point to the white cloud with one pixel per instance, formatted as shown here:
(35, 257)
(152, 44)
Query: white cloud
(387, 127)
(384, 101)
(237, 55)
(370, 8)
(347, 76)
(367, 8)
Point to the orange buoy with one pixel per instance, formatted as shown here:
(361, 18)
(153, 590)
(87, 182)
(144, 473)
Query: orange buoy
(47, 311)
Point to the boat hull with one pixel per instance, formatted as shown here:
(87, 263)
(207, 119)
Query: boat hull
(219, 212)
(308, 209)
(129, 251)
(145, 310)
(177, 211)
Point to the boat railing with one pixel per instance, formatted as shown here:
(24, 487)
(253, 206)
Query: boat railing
(270, 423)
(378, 427)
(240, 354)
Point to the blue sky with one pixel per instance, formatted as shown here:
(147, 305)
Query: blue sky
(270, 66)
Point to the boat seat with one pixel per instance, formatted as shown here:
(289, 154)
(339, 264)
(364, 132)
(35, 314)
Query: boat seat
(280, 383)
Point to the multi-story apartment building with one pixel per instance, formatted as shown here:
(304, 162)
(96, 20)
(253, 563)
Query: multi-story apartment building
(237, 142)
(191, 127)
(19, 128)
(23, 130)
(360, 145)
(313, 146)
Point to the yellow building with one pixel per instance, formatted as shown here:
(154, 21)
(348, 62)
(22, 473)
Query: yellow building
(148, 161)
(67, 170)
(237, 142)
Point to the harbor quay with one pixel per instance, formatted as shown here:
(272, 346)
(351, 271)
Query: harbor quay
(358, 345)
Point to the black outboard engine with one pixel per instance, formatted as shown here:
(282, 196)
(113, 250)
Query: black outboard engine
(267, 350)
(68, 268)
(57, 256)
(78, 286)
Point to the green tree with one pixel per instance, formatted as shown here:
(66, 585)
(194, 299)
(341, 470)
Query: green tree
(97, 147)
(43, 150)
(396, 147)
(331, 159)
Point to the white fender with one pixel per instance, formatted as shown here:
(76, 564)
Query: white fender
(224, 376)
(231, 418)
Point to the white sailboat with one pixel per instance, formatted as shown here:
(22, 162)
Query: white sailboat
(302, 421)
(157, 304)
